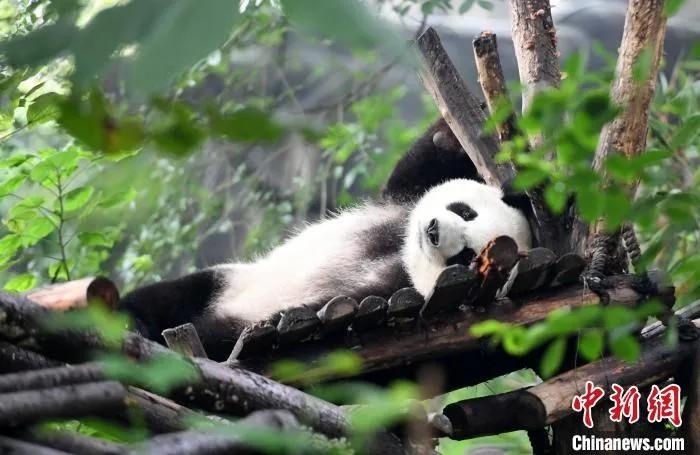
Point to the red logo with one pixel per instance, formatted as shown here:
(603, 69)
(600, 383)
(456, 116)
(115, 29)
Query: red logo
(625, 404)
(662, 404)
(665, 404)
(586, 401)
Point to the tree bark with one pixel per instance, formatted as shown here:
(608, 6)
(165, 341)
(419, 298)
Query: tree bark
(14, 359)
(535, 41)
(460, 109)
(492, 81)
(96, 398)
(51, 377)
(643, 37)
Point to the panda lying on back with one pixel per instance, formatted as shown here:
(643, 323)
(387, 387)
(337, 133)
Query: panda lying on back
(431, 214)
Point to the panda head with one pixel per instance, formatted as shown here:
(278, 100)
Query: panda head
(452, 223)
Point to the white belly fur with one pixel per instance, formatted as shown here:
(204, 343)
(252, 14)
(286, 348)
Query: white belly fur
(322, 255)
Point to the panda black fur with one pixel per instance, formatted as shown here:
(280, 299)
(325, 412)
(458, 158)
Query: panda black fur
(432, 213)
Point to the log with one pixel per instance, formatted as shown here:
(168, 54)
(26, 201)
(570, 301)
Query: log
(11, 446)
(371, 313)
(533, 270)
(71, 294)
(645, 27)
(91, 399)
(460, 109)
(238, 391)
(254, 339)
(451, 289)
(72, 442)
(337, 314)
(201, 442)
(297, 324)
(567, 269)
(51, 377)
(184, 340)
(162, 415)
(193, 442)
(13, 358)
(492, 81)
(397, 351)
(535, 42)
(550, 401)
(23, 323)
(405, 303)
(232, 390)
(495, 266)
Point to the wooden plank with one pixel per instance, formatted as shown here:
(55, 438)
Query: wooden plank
(460, 109)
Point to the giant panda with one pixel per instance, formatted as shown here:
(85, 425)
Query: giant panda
(433, 212)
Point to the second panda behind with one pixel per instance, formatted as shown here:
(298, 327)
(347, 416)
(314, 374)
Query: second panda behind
(431, 214)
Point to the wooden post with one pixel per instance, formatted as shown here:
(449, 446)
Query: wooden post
(535, 41)
(643, 37)
(184, 340)
(492, 81)
(460, 109)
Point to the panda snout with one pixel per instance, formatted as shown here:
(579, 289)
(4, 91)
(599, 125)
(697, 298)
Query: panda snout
(433, 232)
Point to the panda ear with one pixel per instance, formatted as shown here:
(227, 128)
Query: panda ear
(516, 199)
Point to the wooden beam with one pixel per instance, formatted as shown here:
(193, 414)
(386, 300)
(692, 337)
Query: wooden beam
(232, 389)
(550, 401)
(398, 351)
(460, 109)
(492, 81)
(535, 41)
(643, 38)
(91, 399)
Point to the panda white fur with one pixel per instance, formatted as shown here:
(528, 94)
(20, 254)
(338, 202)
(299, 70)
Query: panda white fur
(428, 217)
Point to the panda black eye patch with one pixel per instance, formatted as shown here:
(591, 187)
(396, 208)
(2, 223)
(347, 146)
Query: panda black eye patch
(463, 210)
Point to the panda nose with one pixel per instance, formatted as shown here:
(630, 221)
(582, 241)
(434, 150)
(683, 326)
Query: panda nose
(433, 232)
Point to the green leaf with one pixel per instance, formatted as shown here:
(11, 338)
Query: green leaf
(44, 108)
(95, 239)
(617, 207)
(347, 22)
(626, 347)
(77, 198)
(529, 178)
(488, 327)
(465, 6)
(686, 132)
(590, 204)
(486, 4)
(26, 207)
(57, 271)
(591, 344)
(11, 184)
(171, 47)
(616, 316)
(109, 30)
(553, 357)
(36, 230)
(122, 197)
(21, 283)
(247, 125)
(555, 195)
(143, 263)
(39, 46)
(671, 7)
